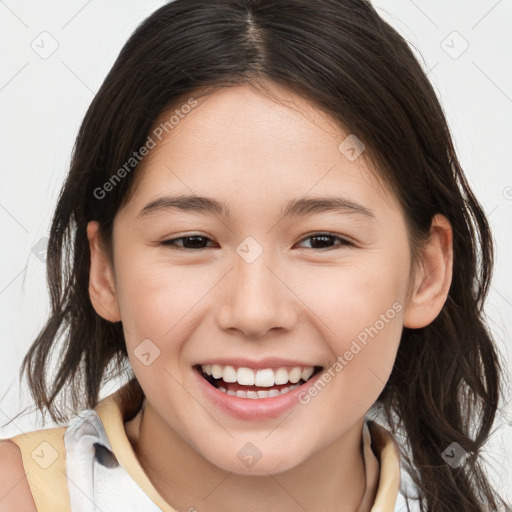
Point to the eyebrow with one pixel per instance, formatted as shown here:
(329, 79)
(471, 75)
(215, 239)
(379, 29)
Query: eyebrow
(294, 207)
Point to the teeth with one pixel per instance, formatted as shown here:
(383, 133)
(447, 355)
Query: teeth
(245, 376)
(295, 375)
(229, 374)
(266, 377)
(217, 371)
(307, 372)
(281, 376)
(256, 395)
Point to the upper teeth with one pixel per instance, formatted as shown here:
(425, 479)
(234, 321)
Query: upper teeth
(265, 377)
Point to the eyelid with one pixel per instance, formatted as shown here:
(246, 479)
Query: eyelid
(345, 241)
(167, 242)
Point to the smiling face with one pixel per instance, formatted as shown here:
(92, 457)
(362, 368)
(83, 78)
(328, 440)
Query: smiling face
(258, 275)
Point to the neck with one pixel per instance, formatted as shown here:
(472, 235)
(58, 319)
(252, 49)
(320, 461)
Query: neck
(332, 479)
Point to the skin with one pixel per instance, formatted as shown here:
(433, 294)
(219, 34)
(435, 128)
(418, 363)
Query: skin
(295, 300)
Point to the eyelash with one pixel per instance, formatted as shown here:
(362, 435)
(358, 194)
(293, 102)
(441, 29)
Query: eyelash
(344, 241)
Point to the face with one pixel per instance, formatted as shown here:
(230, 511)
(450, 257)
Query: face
(258, 284)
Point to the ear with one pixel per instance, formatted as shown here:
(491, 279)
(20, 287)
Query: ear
(101, 280)
(433, 277)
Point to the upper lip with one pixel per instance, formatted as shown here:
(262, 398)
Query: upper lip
(268, 362)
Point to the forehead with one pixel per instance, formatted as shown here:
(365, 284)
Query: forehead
(240, 145)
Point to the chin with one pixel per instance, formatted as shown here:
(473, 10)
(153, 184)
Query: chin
(273, 464)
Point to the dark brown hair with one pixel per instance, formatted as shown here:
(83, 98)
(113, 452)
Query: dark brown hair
(340, 55)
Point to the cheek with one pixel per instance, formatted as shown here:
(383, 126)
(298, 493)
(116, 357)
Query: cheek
(157, 302)
(345, 300)
(359, 311)
(156, 297)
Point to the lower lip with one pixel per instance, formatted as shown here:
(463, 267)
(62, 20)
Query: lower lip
(257, 408)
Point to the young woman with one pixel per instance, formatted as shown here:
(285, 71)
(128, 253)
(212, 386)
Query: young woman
(266, 231)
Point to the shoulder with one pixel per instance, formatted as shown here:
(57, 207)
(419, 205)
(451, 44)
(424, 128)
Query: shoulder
(15, 491)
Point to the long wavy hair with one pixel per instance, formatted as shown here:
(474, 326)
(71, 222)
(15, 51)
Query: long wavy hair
(446, 383)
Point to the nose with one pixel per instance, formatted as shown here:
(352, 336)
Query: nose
(255, 299)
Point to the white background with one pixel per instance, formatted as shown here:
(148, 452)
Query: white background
(42, 102)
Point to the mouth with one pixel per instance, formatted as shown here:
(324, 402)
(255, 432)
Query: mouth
(258, 384)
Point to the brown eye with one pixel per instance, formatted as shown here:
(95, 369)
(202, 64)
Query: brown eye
(189, 242)
(322, 241)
